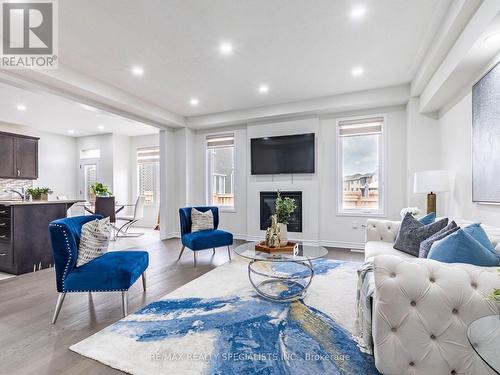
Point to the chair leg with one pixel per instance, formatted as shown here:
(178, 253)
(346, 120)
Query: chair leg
(229, 253)
(125, 303)
(144, 281)
(195, 254)
(59, 304)
(214, 251)
(182, 250)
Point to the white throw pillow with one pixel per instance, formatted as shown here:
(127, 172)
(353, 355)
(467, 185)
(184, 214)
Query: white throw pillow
(201, 220)
(94, 240)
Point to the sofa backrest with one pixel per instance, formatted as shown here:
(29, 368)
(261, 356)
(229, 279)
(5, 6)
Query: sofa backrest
(185, 217)
(65, 240)
(382, 230)
(387, 230)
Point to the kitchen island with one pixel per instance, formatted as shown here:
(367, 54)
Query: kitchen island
(24, 233)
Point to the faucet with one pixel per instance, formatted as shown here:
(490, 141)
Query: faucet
(22, 193)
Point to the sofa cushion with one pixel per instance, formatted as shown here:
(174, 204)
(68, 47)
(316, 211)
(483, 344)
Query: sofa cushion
(428, 219)
(477, 232)
(412, 232)
(201, 220)
(460, 247)
(113, 271)
(207, 239)
(375, 248)
(94, 240)
(426, 245)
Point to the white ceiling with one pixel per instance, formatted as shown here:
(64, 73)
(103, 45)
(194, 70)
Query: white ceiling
(301, 49)
(57, 115)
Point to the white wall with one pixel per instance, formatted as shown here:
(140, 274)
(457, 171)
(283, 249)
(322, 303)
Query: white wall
(423, 147)
(455, 128)
(121, 169)
(308, 184)
(321, 224)
(56, 160)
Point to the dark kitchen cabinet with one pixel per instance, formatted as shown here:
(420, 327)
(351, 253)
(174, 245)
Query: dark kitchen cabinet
(18, 156)
(7, 162)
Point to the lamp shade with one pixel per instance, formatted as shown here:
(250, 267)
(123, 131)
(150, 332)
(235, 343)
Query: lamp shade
(435, 181)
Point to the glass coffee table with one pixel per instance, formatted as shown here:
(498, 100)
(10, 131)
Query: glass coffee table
(484, 336)
(281, 276)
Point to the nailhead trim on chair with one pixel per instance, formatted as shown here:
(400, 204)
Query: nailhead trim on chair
(68, 263)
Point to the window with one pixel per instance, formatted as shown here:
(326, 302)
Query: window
(220, 170)
(91, 153)
(360, 144)
(148, 174)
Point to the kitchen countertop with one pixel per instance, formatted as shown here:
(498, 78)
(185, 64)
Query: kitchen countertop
(19, 202)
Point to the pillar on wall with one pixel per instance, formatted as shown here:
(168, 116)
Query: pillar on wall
(422, 148)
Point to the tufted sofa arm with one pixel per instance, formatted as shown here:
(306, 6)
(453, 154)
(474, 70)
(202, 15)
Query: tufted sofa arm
(382, 230)
(421, 310)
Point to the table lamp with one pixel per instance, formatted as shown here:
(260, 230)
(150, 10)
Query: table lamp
(431, 182)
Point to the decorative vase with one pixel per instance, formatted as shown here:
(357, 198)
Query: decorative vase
(44, 197)
(283, 234)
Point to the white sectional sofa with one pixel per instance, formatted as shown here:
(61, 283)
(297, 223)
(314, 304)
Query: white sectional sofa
(421, 308)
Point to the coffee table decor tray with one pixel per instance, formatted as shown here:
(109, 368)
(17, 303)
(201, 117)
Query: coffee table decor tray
(290, 247)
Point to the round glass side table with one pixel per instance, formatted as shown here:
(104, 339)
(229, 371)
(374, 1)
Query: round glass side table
(484, 337)
(281, 276)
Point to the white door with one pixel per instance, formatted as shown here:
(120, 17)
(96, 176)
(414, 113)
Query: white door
(87, 177)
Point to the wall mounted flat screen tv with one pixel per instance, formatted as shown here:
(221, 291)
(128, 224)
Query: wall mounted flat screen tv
(284, 154)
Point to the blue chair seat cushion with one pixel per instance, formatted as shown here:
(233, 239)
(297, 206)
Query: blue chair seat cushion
(207, 239)
(113, 271)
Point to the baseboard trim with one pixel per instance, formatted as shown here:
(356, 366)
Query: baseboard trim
(354, 246)
(345, 245)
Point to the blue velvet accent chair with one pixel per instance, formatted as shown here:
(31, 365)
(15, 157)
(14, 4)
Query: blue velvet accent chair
(204, 239)
(115, 271)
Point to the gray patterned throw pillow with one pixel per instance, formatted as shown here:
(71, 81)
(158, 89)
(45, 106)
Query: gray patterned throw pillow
(412, 233)
(94, 240)
(425, 246)
(201, 220)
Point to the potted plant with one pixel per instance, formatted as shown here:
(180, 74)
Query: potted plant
(100, 190)
(39, 193)
(284, 208)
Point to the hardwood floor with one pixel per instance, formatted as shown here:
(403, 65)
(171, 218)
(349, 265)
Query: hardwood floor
(29, 344)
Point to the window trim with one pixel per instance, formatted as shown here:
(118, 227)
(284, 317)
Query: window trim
(381, 211)
(208, 189)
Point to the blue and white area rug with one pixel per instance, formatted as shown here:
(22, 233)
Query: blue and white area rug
(216, 324)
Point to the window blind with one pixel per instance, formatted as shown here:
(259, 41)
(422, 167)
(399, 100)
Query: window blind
(366, 126)
(220, 140)
(148, 155)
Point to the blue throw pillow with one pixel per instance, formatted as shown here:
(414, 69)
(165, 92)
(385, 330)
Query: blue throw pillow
(459, 247)
(428, 219)
(478, 233)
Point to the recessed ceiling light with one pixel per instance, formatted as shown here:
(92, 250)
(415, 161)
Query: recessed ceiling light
(226, 48)
(88, 107)
(357, 12)
(100, 127)
(357, 71)
(21, 107)
(71, 131)
(492, 38)
(263, 89)
(194, 102)
(137, 70)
